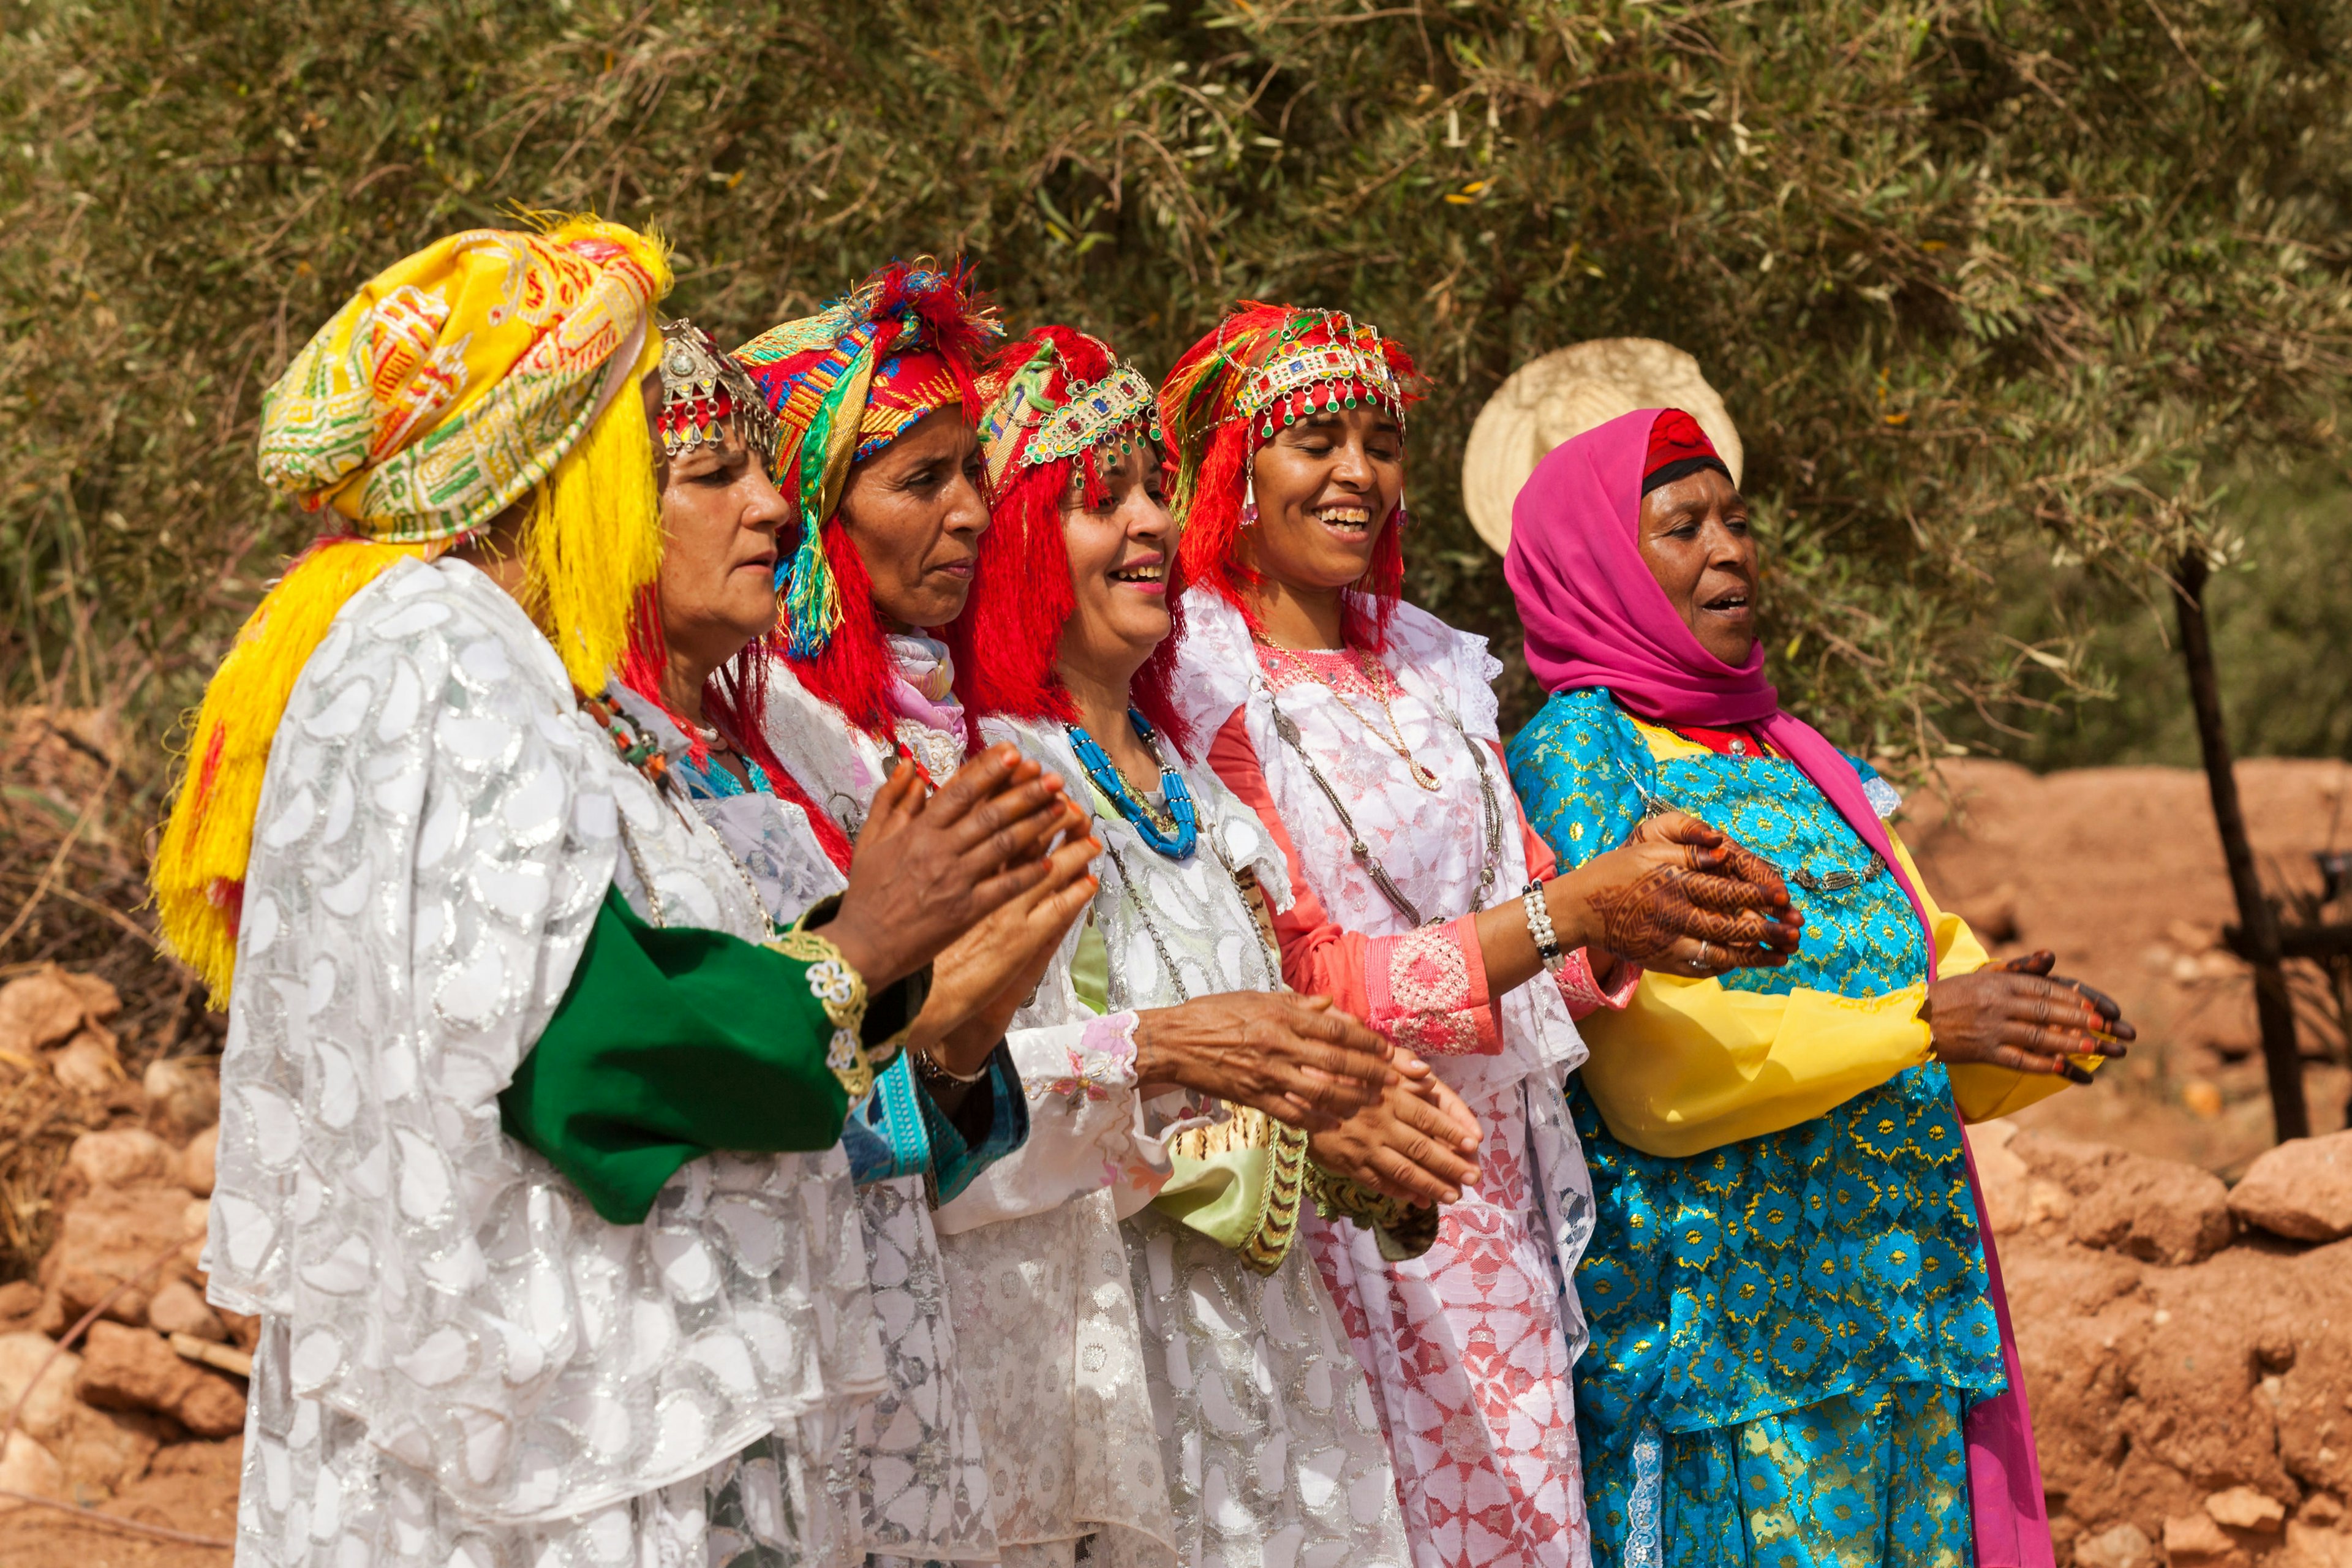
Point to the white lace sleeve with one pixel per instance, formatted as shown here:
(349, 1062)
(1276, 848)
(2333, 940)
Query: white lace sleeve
(1242, 836)
(1086, 1127)
(436, 831)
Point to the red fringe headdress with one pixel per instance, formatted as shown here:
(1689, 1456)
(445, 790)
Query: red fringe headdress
(844, 385)
(1061, 411)
(1264, 366)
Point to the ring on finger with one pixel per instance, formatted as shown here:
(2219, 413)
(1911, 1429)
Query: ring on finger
(1704, 961)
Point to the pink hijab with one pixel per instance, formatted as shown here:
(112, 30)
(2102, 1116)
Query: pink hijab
(1595, 617)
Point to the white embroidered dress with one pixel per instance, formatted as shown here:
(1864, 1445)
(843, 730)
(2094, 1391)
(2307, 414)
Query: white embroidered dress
(1048, 1344)
(460, 1363)
(908, 1473)
(1468, 1347)
(1268, 1435)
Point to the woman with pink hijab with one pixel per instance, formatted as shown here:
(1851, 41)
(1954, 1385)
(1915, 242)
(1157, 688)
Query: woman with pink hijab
(1801, 1354)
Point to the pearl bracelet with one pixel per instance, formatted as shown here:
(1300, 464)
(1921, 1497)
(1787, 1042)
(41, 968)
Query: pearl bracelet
(1546, 939)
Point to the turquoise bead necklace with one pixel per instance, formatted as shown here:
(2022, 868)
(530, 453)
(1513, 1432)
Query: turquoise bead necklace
(1175, 842)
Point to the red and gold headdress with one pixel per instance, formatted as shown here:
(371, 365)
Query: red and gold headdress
(1261, 368)
(1062, 411)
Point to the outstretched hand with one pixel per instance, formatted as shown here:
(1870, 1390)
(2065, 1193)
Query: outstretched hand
(924, 871)
(2018, 1014)
(1679, 897)
(1297, 1058)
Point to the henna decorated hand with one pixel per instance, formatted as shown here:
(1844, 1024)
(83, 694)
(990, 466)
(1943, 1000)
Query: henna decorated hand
(2018, 1014)
(1415, 1144)
(1680, 897)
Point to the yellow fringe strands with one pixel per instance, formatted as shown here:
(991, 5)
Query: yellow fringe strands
(595, 536)
(473, 380)
(199, 871)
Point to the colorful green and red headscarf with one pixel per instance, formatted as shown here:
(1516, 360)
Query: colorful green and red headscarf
(845, 383)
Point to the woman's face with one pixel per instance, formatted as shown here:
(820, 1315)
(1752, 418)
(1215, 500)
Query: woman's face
(720, 514)
(915, 512)
(1121, 552)
(1325, 487)
(1694, 535)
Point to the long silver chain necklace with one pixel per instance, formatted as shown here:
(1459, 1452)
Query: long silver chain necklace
(1490, 812)
(1269, 963)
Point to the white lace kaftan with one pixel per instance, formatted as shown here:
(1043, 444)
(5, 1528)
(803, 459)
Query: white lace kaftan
(1268, 1435)
(460, 1363)
(1048, 1345)
(917, 1461)
(1468, 1347)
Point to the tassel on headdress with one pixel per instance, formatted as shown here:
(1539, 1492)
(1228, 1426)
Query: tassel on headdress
(844, 384)
(493, 368)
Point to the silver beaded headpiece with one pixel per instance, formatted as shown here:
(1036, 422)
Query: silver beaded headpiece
(705, 394)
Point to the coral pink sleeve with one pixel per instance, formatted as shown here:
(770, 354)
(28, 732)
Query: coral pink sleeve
(1579, 986)
(1425, 990)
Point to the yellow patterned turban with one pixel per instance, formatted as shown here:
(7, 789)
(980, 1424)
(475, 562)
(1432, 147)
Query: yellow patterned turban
(493, 368)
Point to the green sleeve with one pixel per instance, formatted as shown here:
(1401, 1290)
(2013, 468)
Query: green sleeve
(668, 1045)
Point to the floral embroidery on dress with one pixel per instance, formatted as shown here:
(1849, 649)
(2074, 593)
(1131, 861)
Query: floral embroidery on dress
(1102, 1060)
(1581, 988)
(841, 990)
(1422, 998)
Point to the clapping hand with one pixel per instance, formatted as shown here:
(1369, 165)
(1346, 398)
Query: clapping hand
(1416, 1144)
(982, 977)
(1297, 1058)
(924, 871)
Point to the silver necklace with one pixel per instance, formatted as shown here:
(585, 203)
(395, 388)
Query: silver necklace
(1490, 812)
(694, 826)
(1269, 964)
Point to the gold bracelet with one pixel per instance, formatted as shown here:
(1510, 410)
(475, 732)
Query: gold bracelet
(841, 991)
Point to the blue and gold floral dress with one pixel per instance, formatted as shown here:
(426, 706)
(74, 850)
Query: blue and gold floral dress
(1786, 1285)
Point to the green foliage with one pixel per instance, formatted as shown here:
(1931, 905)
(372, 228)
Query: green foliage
(2282, 613)
(1980, 279)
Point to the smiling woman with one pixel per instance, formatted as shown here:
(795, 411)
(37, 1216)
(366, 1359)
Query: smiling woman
(1231, 1079)
(1362, 732)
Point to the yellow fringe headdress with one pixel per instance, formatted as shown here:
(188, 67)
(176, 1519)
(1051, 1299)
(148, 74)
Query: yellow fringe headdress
(492, 368)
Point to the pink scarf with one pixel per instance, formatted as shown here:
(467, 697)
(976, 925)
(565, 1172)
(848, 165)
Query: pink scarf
(1595, 617)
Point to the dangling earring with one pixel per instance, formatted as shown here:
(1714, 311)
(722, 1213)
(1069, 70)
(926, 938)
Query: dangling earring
(1401, 517)
(1249, 504)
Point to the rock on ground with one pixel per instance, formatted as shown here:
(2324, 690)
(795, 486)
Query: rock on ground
(2301, 1190)
(2191, 1394)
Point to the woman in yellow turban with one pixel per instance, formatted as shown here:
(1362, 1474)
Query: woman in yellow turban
(528, 1148)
